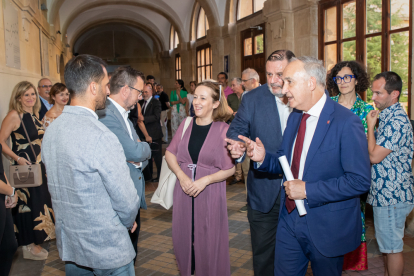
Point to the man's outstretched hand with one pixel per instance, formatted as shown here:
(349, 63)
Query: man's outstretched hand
(236, 148)
(255, 150)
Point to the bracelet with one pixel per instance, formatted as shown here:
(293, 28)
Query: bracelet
(18, 159)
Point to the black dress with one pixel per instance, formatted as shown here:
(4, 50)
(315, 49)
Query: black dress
(33, 216)
(8, 243)
(197, 138)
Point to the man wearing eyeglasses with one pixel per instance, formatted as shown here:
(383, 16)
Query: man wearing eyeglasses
(263, 114)
(250, 80)
(126, 89)
(44, 87)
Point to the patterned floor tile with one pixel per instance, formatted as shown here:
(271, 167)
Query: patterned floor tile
(156, 255)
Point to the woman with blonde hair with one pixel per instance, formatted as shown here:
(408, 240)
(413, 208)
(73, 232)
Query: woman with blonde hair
(33, 217)
(202, 164)
(59, 97)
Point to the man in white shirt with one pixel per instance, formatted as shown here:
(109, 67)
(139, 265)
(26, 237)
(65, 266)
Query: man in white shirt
(328, 154)
(126, 89)
(44, 86)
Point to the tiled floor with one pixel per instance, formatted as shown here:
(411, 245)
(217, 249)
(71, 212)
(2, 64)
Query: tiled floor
(156, 256)
(155, 249)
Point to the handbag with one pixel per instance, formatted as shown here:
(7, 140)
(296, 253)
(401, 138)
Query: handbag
(26, 176)
(163, 195)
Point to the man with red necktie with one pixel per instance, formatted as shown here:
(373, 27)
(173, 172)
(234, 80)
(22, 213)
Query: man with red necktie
(328, 153)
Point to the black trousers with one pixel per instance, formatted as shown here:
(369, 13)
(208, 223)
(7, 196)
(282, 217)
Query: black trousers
(134, 236)
(263, 228)
(156, 154)
(8, 242)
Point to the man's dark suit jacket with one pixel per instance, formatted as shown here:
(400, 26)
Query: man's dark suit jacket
(152, 116)
(258, 116)
(337, 171)
(42, 111)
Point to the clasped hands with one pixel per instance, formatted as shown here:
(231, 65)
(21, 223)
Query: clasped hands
(295, 189)
(11, 201)
(192, 188)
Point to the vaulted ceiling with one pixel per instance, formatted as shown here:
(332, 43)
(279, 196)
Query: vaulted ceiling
(151, 19)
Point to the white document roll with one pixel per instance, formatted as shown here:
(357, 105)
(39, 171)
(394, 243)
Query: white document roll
(289, 176)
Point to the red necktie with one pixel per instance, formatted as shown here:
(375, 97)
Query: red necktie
(290, 203)
(143, 107)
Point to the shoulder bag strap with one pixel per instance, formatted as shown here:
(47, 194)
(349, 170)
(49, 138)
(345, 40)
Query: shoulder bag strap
(28, 138)
(186, 124)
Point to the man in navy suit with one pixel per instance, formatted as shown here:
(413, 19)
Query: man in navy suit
(262, 113)
(328, 153)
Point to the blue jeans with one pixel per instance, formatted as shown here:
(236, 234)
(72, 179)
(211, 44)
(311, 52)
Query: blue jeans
(389, 222)
(73, 269)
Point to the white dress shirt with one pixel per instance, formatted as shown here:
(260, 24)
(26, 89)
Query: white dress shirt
(90, 110)
(311, 124)
(148, 101)
(284, 112)
(46, 103)
(124, 115)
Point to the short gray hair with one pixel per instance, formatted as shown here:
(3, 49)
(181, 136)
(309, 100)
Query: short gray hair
(42, 79)
(252, 74)
(238, 80)
(314, 68)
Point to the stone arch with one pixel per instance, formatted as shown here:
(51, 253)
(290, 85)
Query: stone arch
(158, 42)
(231, 12)
(211, 13)
(165, 11)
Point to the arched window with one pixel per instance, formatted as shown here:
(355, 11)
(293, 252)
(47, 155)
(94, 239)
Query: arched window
(177, 67)
(204, 62)
(173, 38)
(202, 24)
(248, 7)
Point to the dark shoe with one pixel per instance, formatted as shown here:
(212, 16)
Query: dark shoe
(234, 181)
(155, 180)
(164, 142)
(243, 209)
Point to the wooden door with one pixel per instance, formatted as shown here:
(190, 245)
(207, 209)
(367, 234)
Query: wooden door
(253, 50)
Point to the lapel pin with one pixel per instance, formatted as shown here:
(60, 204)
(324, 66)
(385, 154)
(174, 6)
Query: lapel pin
(328, 122)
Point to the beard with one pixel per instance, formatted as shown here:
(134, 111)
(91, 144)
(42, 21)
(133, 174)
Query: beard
(129, 103)
(100, 102)
(278, 94)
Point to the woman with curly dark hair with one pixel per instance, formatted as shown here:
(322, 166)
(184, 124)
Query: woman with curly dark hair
(348, 81)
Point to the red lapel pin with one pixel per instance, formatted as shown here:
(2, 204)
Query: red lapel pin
(328, 122)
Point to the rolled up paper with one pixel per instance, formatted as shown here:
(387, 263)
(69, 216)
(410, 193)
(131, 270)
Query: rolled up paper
(300, 205)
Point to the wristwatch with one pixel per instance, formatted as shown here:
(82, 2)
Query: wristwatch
(14, 190)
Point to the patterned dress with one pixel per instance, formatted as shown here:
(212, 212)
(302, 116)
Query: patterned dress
(33, 216)
(178, 113)
(357, 259)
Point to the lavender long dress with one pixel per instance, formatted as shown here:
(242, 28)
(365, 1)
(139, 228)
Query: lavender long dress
(211, 229)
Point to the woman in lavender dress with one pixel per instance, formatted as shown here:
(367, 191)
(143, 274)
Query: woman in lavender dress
(202, 164)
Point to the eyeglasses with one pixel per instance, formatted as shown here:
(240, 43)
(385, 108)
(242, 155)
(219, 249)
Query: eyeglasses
(345, 79)
(247, 80)
(139, 91)
(46, 86)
